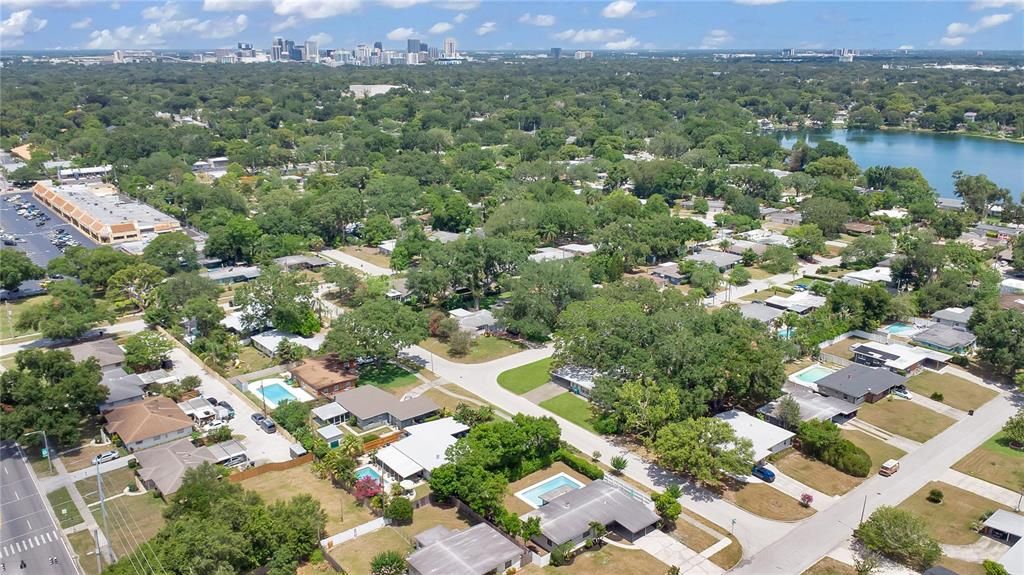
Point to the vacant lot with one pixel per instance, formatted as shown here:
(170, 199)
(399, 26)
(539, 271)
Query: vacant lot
(766, 501)
(956, 392)
(950, 521)
(114, 482)
(571, 407)
(341, 508)
(249, 360)
(388, 377)
(371, 255)
(813, 473)
(521, 379)
(996, 462)
(879, 450)
(133, 520)
(517, 505)
(84, 546)
(485, 348)
(829, 566)
(80, 458)
(611, 561)
(904, 418)
(842, 348)
(64, 508)
(11, 311)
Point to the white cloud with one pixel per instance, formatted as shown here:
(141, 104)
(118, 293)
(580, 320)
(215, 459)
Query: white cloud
(758, 2)
(81, 24)
(590, 35)
(459, 5)
(219, 29)
(715, 39)
(166, 12)
(289, 22)
(231, 5)
(401, 3)
(906, 47)
(16, 4)
(957, 32)
(322, 39)
(543, 20)
(459, 18)
(440, 28)
(987, 4)
(19, 24)
(486, 28)
(107, 39)
(315, 9)
(618, 9)
(624, 44)
(401, 34)
(952, 40)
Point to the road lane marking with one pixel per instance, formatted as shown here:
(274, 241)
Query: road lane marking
(38, 541)
(49, 536)
(17, 546)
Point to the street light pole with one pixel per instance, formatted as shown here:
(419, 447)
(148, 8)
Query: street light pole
(46, 447)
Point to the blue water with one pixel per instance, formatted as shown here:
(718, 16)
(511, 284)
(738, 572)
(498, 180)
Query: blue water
(367, 472)
(277, 393)
(936, 155)
(786, 332)
(534, 493)
(814, 374)
(898, 328)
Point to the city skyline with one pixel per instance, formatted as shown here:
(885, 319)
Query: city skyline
(621, 25)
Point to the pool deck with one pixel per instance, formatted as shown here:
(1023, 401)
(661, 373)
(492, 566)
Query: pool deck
(297, 393)
(795, 377)
(521, 494)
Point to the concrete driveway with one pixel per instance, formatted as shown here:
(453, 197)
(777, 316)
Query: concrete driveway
(670, 551)
(261, 446)
(356, 263)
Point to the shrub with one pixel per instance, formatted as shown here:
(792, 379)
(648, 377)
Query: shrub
(388, 563)
(936, 495)
(901, 536)
(561, 554)
(993, 568)
(667, 506)
(806, 499)
(399, 510)
(132, 464)
(579, 464)
(961, 360)
(459, 343)
(936, 396)
(619, 464)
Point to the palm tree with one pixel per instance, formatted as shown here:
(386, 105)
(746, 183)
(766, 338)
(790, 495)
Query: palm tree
(351, 445)
(675, 491)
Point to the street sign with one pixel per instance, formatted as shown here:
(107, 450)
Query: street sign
(46, 453)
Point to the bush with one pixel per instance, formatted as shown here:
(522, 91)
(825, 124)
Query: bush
(619, 464)
(936, 396)
(579, 464)
(388, 563)
(459, 343)
(901, 536)
(961, 360)
(936, 495)
(399, 510)
(849, 459)
(132, 464)
(561, 554)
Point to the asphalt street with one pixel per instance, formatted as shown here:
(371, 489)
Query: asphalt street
(28, 532)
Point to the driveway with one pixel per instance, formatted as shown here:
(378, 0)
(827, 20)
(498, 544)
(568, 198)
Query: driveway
(354, 262)
(670, 551)
(261, 446)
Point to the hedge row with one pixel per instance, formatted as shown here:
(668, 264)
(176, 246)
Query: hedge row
(579, 464)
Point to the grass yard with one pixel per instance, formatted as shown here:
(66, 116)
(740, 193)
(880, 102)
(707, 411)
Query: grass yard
(114, 482)
(389, 377)
(996, 462)
(765, 294)
(341, 508)
(521, 379)
(84, 546)
(692, 536)
(879, 450)
(956, 392)
(431, 515)
(813, 473)
(64, 508)
(829, 566)
(766, 501)
(249, 360)
(133, 521)
(904, 418)
(842, 348)
(518, 506)
(726, 558)
(11, 311)
(572, 407)
(950, 521)
(757, 273)
(371, 255)
(485, 348)
(611, 561)
(355, 555)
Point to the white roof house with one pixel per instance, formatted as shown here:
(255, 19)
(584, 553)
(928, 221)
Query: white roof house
(329, 412)
(423, 449)
(767, 438)
(800, 302)
(268, 341)
(871, 275)
(330, 433)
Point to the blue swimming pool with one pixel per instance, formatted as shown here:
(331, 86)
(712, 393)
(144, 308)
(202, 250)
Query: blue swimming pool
(532, 495)
(786, 332)
(367, 472)
(277, 393)
(813, 374)
(899, 328)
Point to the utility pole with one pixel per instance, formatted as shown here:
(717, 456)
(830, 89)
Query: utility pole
(46, 447)
(99, 560)
(103, 503)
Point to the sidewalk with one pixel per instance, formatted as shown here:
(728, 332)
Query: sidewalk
(983, 488)
(106, 550)
(795, 489)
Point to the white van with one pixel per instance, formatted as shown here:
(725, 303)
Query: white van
(889, 467)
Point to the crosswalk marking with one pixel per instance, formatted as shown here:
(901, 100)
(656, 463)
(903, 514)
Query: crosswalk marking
(27, 543)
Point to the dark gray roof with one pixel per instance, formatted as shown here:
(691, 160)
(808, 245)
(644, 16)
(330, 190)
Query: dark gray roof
(475, 551)
(720, 259)
(957, 314)
(856, 380)
(812, 405)
(570, 515)
(367, 401)
(945, 337)
(106, 351)
(760, 312)
(122, 385)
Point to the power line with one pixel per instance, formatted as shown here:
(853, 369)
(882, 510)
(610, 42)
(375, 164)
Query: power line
(145, 543)
(141, 547)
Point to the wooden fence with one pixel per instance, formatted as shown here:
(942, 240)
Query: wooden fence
(381, 442)
(268, 467)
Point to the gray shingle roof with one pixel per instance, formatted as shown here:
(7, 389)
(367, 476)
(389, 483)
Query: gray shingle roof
(945, 337)
(475, 551)
(367, 401)
(760, 312)
(856, 380)
(962, 315)
(720, 259)
(570, 515)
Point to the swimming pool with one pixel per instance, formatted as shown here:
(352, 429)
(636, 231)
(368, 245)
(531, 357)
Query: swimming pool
(786, 332)
(900, 328)
(533, 494)
(810, 375)
(368, 471)
(275, 391)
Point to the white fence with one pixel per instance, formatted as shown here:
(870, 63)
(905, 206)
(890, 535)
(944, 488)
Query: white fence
(339, 538)
(830, 358)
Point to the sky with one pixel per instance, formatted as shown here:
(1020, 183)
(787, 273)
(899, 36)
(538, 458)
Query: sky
(623, 25)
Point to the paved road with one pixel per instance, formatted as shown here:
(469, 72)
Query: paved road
(27, 529)
(825, 530)
(734, 293)
(130, 326)
(354, 262)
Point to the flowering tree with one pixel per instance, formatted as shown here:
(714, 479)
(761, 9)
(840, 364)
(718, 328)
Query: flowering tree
(806, 499)
(366, 488)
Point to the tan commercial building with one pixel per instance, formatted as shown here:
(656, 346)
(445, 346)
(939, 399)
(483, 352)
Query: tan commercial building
(102, 213)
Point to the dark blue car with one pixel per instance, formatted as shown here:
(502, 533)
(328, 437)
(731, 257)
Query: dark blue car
(763, 473)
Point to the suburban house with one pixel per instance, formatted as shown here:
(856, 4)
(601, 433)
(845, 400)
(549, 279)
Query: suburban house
(801, 303)
(567, 518)
(233, 274)
(124, 388)
(721, 260)
(326, 375)
(399, 290)
(579, 380)
(812, 406)
(760, 312)
(1001, 232)
(1008, 528)
(148, 422)
(858, 228)
(668, 272)
(479, 550)
(768, 439)
(950, 204)
(106, 351)
(956, 317)
(371, 407)
(548, 254)
(942, 337)
(329, 413)
(268, 341)
(201, 411)
(897, 357)
(858, 383)
(785, 218)
(740, 247)
(475, 322)
(878, 274)
(292, 263)
(163, 467)
(331, 434)
(387, 247)
(421, 450)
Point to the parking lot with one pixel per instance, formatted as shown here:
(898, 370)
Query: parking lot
(36, 241)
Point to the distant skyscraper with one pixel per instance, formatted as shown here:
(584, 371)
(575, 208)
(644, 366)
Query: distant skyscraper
(378, 47)
(449, 48)
(556, 53)
(363, 54)
(312, 51)
(244, 46)
(412, 46)
(583, 54)
(424, 47)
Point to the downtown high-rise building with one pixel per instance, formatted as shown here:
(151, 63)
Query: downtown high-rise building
(449, 48)
(555, 53)
(312, 51)
(412, 46)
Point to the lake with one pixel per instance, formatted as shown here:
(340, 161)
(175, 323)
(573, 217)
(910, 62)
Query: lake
(936, 155)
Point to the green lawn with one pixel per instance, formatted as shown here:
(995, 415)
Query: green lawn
(951, 520)
(904, 418)
(879, 450)
(485, 348)
(249, 360)
(10, 311)
(64, 508)
(956, 392)
(572, 407)
(996, 462)
(387, 376)
(521, 379)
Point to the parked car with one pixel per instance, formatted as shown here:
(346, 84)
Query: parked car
(105, 457)
(212, 400)
(258, 417)
(763, 473)
(268, 425)
(227, 406)
(215, 424)
(889, 467)
(902, 392)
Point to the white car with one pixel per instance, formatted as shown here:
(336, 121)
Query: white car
(902, 392)
(105, 457)
(215, 424)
